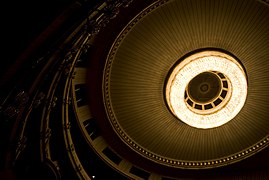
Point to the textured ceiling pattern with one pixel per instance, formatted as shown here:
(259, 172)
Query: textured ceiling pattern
(151, 44)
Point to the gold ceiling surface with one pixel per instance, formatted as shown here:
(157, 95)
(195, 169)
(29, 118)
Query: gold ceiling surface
(141, 58)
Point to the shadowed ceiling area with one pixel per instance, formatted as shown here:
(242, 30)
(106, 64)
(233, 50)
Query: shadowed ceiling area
(85, 94)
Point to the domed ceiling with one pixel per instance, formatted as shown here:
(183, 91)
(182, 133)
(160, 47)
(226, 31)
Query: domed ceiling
(147, 49)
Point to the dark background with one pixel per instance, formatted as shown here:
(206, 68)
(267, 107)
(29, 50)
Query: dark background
(22, 22)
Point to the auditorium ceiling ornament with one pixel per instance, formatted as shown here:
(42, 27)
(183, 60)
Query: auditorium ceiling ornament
(206, 89)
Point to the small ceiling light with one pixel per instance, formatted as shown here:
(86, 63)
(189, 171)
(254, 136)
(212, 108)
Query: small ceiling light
(206, 89)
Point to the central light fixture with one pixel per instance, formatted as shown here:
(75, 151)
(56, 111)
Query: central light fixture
(206, 89)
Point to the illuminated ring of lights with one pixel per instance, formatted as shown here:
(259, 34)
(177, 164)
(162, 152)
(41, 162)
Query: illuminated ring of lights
(198, 63)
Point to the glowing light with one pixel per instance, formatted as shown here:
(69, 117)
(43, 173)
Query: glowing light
(193, 65)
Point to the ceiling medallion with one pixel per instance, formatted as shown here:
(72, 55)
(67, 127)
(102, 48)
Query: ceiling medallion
(207, 89)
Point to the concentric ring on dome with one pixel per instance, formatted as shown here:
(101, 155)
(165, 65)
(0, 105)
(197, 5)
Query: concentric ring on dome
(202, 70)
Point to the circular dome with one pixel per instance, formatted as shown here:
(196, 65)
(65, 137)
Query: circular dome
(145, 55)
(206, 89)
